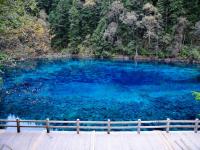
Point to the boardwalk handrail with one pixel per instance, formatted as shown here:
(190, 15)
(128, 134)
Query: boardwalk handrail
(104, 125)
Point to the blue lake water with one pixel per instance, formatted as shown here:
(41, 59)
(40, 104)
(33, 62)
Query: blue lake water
(67, 89)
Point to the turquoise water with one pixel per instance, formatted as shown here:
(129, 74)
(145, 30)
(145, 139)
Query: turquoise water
(67, 89)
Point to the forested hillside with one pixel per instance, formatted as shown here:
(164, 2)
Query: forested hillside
(103, 28)
(24, 29)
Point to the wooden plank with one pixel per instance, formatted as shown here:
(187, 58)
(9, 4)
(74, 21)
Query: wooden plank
(4, 125)
(31, 126)
(124, 127)
(182, 121)
(51, 121)
(93, 127)
(155, 121)
(180, 141)
(168, 143)
(192, 139)
(182, 126)
(152, 127)
(147, 140)
(4, 120)
(123, 122)
(36, 121)
(93, 122)
(63, 127)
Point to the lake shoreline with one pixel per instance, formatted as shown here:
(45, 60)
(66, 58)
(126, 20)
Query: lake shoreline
(139, 58)
(116, 57)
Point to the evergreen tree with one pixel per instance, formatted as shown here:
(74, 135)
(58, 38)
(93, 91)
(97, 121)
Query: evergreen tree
(105, 6)
(176, 10)
(59, 20)
(170, 10)
(164, 10)
(47, 5)
(74, 32)
(97, 38)
(192, 10)
(135, 5)
(89, 18)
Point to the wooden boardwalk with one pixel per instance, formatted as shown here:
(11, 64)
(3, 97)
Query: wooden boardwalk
(150, 140)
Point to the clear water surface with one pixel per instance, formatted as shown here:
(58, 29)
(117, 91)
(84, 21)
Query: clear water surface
(67, 89)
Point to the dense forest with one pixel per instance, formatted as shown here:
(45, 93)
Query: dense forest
(100, 28)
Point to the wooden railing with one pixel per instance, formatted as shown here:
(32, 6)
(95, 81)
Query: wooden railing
(108, 125)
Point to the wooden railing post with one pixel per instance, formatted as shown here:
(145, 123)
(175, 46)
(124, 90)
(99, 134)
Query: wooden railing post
(18, 125)
(196, 125)
(47, 125)
(168, 125)
(108, 126)
(77, 126)
(139, 125)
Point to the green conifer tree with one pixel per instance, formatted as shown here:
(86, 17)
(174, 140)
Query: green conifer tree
(176, 10)
(74, 32)
(59, 20)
